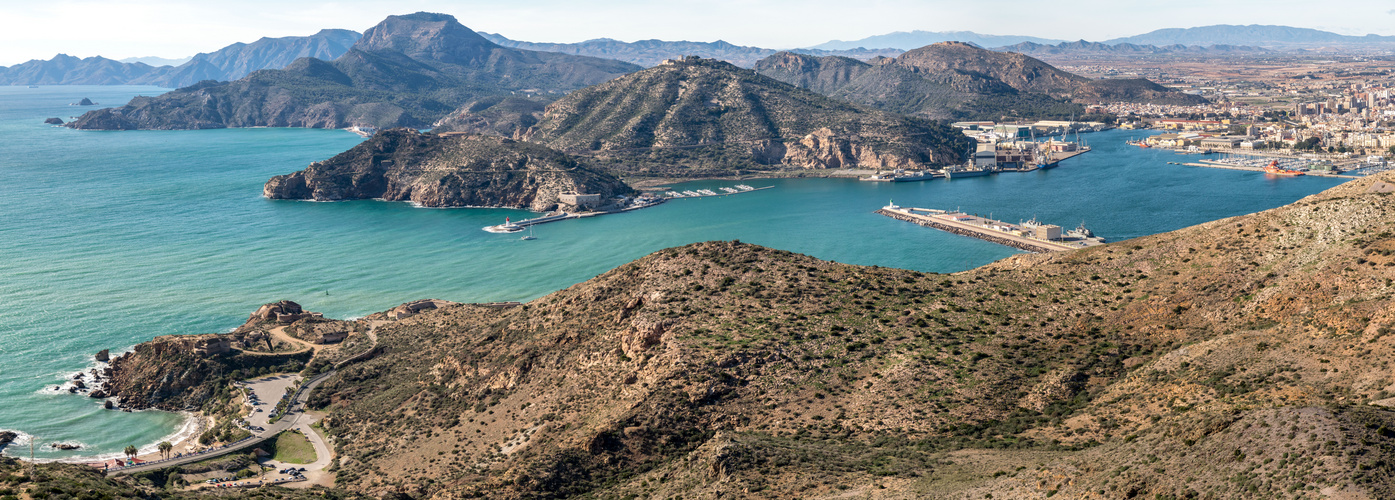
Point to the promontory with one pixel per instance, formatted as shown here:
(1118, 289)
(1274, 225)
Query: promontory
(446, 170)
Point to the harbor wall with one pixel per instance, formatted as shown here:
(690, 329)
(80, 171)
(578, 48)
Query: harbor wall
(982, 235)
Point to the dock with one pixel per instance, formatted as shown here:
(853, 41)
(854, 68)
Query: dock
(1019, 236)
(707, 193)
(1231, 166)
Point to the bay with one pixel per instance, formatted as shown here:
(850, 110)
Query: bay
(108, 239)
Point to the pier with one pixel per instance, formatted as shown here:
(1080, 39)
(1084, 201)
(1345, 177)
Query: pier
(1021, 237)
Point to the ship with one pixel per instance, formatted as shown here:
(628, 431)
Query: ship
(1274, 169)
(1141, 144)
(1080, 232)
(964, 172)
(901, 176)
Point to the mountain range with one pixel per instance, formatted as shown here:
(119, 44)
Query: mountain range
(907, 40)
(651, 52)
(229, 63)
(1083, 47)
(406, 71)
(1254, 34)
(953, 80)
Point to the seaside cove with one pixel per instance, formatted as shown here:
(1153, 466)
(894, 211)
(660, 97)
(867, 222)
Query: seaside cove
(112, 238)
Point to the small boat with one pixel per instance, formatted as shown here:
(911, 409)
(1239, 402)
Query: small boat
(530, 235)
(33, 86)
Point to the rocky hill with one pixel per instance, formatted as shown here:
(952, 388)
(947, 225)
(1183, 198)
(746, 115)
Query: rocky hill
(407, 71)
(953, 80)
(1232, 359)
(446, 171)
(696, 117)
(652, 52)
(1242, 358)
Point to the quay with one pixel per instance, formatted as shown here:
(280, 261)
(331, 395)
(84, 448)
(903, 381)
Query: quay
(644, 201)
(1030, 236)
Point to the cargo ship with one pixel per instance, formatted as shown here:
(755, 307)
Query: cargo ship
(1273, 169)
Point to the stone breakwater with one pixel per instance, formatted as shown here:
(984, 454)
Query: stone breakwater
(1020, 245)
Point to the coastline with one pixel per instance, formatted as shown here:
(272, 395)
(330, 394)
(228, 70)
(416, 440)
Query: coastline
(654, 183)
(184, 438)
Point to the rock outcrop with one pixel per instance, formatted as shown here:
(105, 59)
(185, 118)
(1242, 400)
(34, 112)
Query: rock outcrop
(54, 121)
(447, 170)
(86, 102)
(103, 356)
(7, 437)
(180, 372)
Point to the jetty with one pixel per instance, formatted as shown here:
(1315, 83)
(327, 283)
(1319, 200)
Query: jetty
(1030, 236)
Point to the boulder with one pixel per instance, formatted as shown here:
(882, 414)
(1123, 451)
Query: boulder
(86, 102)
(54, 121)
(66, 446)
(104, 356)
(99, 394)
(107, 404)
(6, 437)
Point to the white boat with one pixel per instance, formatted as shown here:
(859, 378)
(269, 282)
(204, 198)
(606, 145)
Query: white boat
(530, 235)
(744, 187)
(690, 193)
(729, 190)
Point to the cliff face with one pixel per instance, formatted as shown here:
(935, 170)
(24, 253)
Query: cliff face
(181, 372)
(407, 71)
(446, 171)
(695, 117)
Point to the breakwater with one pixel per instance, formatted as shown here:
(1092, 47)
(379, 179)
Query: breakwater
(1017, 243)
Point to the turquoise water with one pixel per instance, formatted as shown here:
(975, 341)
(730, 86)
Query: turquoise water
(108, 239)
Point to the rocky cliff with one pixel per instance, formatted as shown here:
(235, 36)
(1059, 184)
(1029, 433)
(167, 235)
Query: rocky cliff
(696, 117)
(446, 171)
(186, 372)
(407, 71)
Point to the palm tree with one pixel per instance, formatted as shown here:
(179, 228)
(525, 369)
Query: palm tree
(131, 452)
(165, 448)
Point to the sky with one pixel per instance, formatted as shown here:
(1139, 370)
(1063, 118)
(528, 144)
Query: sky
(39, 29)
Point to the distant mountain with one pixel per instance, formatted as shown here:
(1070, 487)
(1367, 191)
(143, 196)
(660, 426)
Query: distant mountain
(1083, 47)
(156, 61)
(915, 39)
(651, 52)
(407, 71)
(700, 117)
(1254, 34)
(239, 59)
(953, 80)
(229, 63)
(64, 69)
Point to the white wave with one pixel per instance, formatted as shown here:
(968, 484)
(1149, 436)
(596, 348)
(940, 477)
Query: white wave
(186, 431)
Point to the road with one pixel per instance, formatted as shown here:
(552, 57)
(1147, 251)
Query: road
(297, 409)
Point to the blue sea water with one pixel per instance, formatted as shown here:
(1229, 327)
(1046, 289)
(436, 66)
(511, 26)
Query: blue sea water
(108, 239)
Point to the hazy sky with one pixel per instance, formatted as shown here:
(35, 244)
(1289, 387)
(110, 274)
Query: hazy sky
(38, 29)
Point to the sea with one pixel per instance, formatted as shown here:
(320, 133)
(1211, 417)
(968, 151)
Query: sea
(108, 239)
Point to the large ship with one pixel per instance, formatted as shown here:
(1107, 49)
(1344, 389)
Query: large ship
(901, 176)
(960, 172)
(1274, 169)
